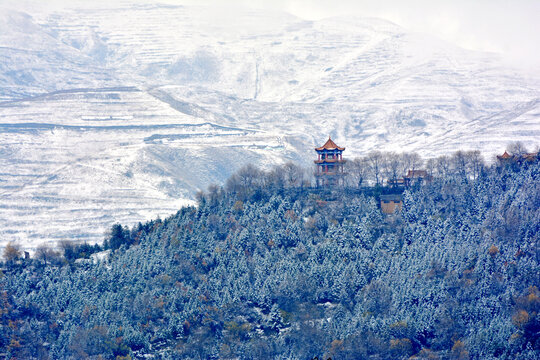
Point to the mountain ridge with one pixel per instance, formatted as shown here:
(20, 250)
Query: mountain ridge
(273, 86)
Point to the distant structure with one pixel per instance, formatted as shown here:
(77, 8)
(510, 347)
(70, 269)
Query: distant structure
(506, 158)
(416, 176)
(413, 177)
(329, 165)
(391, 203)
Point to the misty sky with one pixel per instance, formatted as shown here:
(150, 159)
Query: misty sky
(510, 28)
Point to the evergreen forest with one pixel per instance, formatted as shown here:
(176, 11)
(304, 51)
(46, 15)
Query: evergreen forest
(267, 267)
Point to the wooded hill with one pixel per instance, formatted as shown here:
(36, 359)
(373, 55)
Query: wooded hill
(266, 269)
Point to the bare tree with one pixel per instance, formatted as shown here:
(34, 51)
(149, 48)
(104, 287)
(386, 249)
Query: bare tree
(45, 253)
(431, 166)
(412, 161)
(517, 148)
(42, 253)
(375, 161)
(200, 197)
(357, 171)
(245, 178)
(460, 163)
(12, 253)
(475, 162)
(67, 247)
(214, 193)
(294, 175)
(275, 178)
(248, 176)
(443, 166)
(393, 164)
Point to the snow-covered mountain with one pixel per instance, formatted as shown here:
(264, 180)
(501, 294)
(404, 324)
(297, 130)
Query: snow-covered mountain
(120, 113)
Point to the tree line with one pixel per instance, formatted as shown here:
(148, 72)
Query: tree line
(268, 267)
(376, 169)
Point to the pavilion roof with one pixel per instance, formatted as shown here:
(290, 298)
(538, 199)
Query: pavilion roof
(504, 156)
(330, 145)
(392, 197)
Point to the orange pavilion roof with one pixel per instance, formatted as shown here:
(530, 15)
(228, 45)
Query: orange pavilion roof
(505, 156)
(330, 145)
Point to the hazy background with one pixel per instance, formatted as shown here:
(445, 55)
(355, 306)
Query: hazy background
(509, 28)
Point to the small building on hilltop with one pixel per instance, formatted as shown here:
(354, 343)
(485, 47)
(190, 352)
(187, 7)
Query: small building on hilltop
(413, 177)
(504, 157)
(391, 203)
(507, 159)
(329, 164)
(530, 157)
(416, 176)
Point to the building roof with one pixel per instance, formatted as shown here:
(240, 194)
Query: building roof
(330, 145)
(527, 156)
(329, 161)
(417, 173)
(530, 156)
(504, 156)
(391, 197)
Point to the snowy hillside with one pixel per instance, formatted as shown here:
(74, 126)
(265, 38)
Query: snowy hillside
(121, 114)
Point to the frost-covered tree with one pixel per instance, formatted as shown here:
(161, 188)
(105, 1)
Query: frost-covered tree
(296, 272)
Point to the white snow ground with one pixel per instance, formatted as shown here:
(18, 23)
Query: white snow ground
(120, 115)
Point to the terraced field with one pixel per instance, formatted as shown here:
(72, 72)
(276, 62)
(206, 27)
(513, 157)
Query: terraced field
(121, 113)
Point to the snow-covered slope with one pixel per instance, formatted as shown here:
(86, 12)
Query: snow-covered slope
(120, 114)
